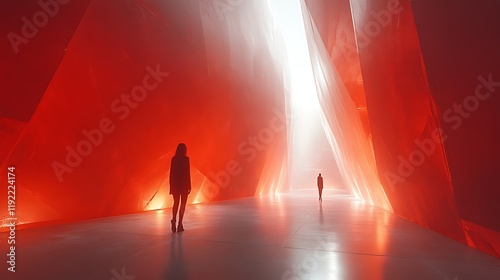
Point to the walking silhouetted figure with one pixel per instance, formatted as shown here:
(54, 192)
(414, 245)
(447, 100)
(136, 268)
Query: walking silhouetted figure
(320, 186)
(180, 184)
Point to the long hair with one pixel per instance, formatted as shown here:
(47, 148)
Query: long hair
(181, 150)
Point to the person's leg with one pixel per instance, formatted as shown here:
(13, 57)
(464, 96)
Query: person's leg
(321, 194)
(182, 210)
(177, 198)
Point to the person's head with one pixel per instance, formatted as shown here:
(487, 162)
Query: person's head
(181, 150)
(319, 174)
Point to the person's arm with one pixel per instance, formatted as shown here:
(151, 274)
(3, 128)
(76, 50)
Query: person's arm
(170, 175)
(189, 175)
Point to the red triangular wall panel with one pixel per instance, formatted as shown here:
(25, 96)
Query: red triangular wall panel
(95, 95)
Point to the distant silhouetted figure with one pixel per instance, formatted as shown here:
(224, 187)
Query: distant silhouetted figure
(180, 184)
(320, 186)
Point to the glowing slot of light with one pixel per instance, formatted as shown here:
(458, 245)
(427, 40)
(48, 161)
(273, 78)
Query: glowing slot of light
(288, 16)
(310, 152)
(156, 203)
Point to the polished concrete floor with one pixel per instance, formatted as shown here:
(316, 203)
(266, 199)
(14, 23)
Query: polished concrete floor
(285, 236)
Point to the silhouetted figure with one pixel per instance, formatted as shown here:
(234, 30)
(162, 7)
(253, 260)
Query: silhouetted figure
(320, 186)
(180, 184)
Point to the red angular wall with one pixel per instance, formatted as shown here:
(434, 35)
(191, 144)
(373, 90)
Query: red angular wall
(427, 72)
(95, 96)
(95, 103)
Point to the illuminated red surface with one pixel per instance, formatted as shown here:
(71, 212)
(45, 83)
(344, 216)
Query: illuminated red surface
(411, 67)
(387, 74)
(220, 91)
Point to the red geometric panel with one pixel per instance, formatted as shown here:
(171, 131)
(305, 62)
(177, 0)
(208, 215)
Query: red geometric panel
(433, 138)
(134, 80)
(348, 133)
(461, 57)
(36, 36)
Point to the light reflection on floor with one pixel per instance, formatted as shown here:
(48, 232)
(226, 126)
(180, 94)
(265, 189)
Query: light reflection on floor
(284, 236)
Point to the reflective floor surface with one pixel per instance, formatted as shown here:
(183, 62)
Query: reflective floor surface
(284, 236)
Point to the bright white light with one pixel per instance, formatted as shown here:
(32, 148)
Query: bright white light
(310, 151)
(288, 17)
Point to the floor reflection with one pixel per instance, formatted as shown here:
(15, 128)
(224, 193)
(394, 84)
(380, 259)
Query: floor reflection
(177, 268)
(290, 236)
